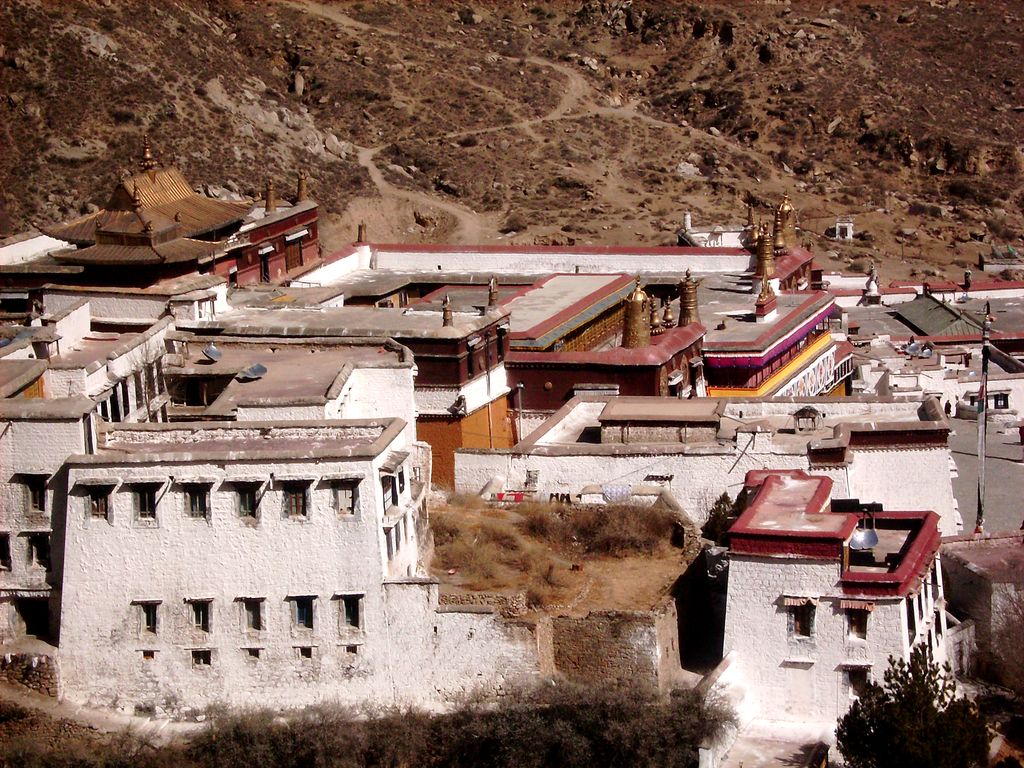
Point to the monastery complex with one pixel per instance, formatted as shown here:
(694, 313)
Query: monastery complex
(220, 443)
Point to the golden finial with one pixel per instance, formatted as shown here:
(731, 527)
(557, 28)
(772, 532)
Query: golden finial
(136, 198)
(148, 162)
(638, 293)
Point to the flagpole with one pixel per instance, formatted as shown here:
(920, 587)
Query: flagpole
(986, 329)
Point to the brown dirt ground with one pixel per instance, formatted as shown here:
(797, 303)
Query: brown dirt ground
(570, 116)
(630, 582)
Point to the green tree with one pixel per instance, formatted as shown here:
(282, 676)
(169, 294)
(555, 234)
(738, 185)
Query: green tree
(913, 720)
(721, 516)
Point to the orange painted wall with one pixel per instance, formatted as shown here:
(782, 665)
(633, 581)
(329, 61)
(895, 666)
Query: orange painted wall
(487, 427)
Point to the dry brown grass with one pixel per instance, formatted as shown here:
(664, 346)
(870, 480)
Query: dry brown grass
(489, 553)
(542, 549)
(616, 530)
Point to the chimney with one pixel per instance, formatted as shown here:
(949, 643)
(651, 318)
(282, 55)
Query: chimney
(687, 221)
(301, 190)
(688, 308)
(492, 293)
(636, 329)
(446, 312)
(361, 232)
(269, 198)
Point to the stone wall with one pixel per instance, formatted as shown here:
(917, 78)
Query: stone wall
(507, 605)
(609, 647)
(36, 672)
(551, 260)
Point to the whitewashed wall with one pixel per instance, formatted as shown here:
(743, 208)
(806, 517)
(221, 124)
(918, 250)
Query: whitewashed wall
(802, 679)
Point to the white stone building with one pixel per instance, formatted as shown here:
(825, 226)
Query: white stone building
(810, 618)
(276, 562)
(875, 449)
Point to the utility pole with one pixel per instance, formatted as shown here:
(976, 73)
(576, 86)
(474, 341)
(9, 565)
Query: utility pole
(986, 330)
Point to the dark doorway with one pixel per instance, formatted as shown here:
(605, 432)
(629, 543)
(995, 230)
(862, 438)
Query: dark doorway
(35, 615)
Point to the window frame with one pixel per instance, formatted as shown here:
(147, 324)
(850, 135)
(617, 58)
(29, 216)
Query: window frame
(98, 496)
(38, 558)
(857, 623)
(149, 617)
(253, 620)
(193, 491)
(801, 617)
(35, 492)
(303, 605)
(350, 610)
(339, 488)
(857, 689)
(200, 615)
(202, 658)
(5, 551)
(242, 490)
(144, 491)
(295, 496)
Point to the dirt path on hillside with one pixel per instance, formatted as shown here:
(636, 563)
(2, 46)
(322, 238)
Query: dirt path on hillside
(579, 100)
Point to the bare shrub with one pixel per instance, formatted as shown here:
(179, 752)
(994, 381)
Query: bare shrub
(600, 529)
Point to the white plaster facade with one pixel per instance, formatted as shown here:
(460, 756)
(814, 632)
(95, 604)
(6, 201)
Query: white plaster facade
(791, 677)
(541, 260)
(305, 571)
(553, 464)
(35, 438)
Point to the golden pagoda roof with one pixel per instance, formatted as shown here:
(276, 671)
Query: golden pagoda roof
(161, 196)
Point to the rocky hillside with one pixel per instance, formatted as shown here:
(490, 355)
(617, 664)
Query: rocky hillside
(579, 120)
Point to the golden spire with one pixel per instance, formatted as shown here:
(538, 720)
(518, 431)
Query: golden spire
(136, 199)
(765, 268)
(636, 328)
(778, 238)
(301, 187)
(148, 162)
(638, 293)
(668, 319)
(361, 232)
(785, 225)
(689, 311)
(655, 319)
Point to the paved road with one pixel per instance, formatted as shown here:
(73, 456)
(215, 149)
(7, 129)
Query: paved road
(1004, 482)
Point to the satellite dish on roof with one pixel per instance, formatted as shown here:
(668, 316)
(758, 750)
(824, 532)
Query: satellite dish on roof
(864, 537)
(252, 373)
(913, 348)
(927, 352)
(211, 352)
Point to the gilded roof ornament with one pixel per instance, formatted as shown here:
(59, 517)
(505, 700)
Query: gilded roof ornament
(148, 162)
